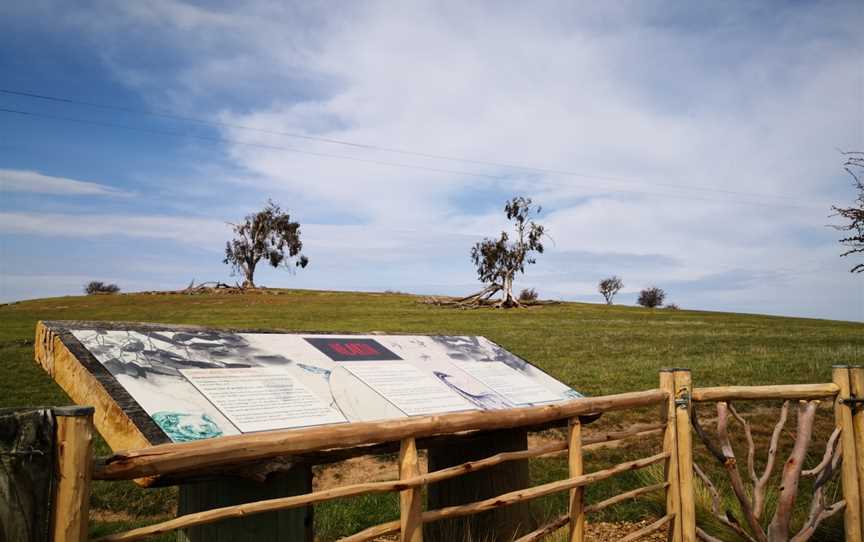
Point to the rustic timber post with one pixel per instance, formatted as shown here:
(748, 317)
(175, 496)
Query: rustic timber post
(670, 446)
(684, 450)
(856, 389)
(410, 500)
(577, 494)
(74, 453)
(849, 467)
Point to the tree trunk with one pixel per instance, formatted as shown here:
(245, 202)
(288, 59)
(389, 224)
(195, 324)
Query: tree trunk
(249, 271)
(507, 299)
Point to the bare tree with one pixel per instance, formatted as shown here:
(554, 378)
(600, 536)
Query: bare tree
(609, 287)
(268, 234)
(651, 297)
(498, 260)
(855, 215)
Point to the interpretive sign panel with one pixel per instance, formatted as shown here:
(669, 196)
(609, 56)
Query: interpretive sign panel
(409, 389)
(181, 383)
(261, 399)
(509, 383)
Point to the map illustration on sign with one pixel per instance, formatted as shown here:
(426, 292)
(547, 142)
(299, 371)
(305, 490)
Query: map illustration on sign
(198, 383)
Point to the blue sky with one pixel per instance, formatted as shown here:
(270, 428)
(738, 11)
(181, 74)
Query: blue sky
(692, 146)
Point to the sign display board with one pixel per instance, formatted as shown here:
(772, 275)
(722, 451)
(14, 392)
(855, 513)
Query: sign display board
(198, 383)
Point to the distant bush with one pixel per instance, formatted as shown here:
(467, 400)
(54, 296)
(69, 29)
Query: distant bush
(99, 287)
(528, 295)
(672, 307)
(651, 297)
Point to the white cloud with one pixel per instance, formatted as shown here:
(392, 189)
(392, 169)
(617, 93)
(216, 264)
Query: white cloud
(359, 243)
(179, 229)
(17, 180)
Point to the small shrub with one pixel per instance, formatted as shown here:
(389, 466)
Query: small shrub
(528, 295)
(672, 307)
(651, 297)
(99, 287)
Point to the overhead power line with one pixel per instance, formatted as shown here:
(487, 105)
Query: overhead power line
(379, 148)
(222, 140)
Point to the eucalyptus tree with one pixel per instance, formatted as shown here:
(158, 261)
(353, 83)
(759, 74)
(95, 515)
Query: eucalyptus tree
(268, 235)
(498, 260)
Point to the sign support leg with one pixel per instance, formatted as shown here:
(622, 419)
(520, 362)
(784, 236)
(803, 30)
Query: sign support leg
(294, 525)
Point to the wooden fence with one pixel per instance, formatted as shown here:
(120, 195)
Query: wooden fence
(675, 398)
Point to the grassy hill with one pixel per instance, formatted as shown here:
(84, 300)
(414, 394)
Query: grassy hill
(596, 349)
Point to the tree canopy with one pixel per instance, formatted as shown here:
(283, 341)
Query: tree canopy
(269, 234)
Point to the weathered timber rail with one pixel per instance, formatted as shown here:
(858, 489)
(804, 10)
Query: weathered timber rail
(678, 424)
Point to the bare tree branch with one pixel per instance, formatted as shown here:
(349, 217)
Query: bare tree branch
(810, 528)
(723, 517)
(751, 448)
(751, 506)
(703, 436)
(731, 466)
(819, 507)
(762, 484)
(779, 528)
(702, 535)
(826, 459)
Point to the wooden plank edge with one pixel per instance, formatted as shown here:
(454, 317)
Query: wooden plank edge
(763, 393)
(52, 353)
(180, 457)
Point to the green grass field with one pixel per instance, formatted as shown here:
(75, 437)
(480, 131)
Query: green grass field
(596, 349)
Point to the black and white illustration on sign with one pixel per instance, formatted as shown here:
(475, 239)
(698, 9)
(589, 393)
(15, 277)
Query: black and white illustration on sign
(199, 384)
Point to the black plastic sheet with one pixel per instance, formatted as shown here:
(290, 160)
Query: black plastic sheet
(26, 474)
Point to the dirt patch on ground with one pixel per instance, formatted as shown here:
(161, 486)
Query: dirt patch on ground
(358, 470)
(594, 532)
(603, 531)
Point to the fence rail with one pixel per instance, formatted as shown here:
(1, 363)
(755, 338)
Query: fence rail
(674, 395)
